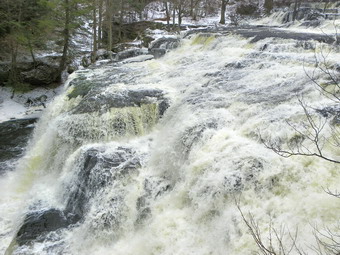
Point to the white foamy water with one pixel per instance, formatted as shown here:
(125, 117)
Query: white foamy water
(166, 184)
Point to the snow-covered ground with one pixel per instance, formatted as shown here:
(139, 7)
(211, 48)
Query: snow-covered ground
(25, 105)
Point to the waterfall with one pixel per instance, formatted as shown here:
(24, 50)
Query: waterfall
(149, 157)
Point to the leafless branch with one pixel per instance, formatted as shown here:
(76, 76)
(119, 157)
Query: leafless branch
(275, 245)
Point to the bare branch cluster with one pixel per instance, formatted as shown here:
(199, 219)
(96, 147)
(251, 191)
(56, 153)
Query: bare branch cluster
(279, 241)
(283, 242)
(309, 140)
(328, 242)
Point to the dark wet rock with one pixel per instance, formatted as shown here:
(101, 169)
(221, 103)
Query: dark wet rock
(331, 112)
(36, 101)
(43, 72)
(41, 75)
(94, 102)
(261, 32)
(42, 222)
(14, 135)
(165, 43)
(163, 106)
(154, 187)
(141, 58)
(306, 45)
(243, 172)
(193, 134)
(131, 53)
(157, 53)
(104, 54)
(71, 68)
(275, 96)
(311, 23)
(236, 65)
(161, 46)
(97, 170)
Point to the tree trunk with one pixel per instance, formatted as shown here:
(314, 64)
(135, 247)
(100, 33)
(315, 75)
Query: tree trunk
(195, 7)
(179, 14)
(30, 47)
(223, 9)
(167, 11)
(192, 8)
(173, 17)
(109, 26)
(14, 78)
(100, 23)
(66, 34)
(296, 4)
(121, 16)
(95, 46)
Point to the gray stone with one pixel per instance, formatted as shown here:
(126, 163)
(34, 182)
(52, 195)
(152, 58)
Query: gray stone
(157, 53)
(331, 112)
(131, 53)
(14, 135)
(40, 223)
(41, 75)
(167, 43)
(96, 102)
(43, 72)
(97, 170)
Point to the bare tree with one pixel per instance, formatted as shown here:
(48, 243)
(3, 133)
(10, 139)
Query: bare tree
(223, 9)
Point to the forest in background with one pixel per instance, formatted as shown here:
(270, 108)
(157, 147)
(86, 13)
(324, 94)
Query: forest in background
(30, 26)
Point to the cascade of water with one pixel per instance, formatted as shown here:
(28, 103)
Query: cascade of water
(147, 158)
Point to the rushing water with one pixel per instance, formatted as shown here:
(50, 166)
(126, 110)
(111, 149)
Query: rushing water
(152, 158)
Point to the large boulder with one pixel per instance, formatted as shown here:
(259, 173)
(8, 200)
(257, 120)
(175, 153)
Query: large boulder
(39, 223)
(131, 53)
(14, 135)
(97, 170)
(42, 72)
(161, 46)
(41, 75)
(95, 102)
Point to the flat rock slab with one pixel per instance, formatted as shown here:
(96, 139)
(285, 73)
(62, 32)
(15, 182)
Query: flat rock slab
(261, 32)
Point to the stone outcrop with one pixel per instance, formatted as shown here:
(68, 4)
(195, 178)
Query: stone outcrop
(42, 72)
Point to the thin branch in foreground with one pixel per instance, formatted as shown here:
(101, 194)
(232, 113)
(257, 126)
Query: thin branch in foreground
(275, 244)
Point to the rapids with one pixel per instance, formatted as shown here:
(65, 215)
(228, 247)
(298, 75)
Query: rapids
(149, 157)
